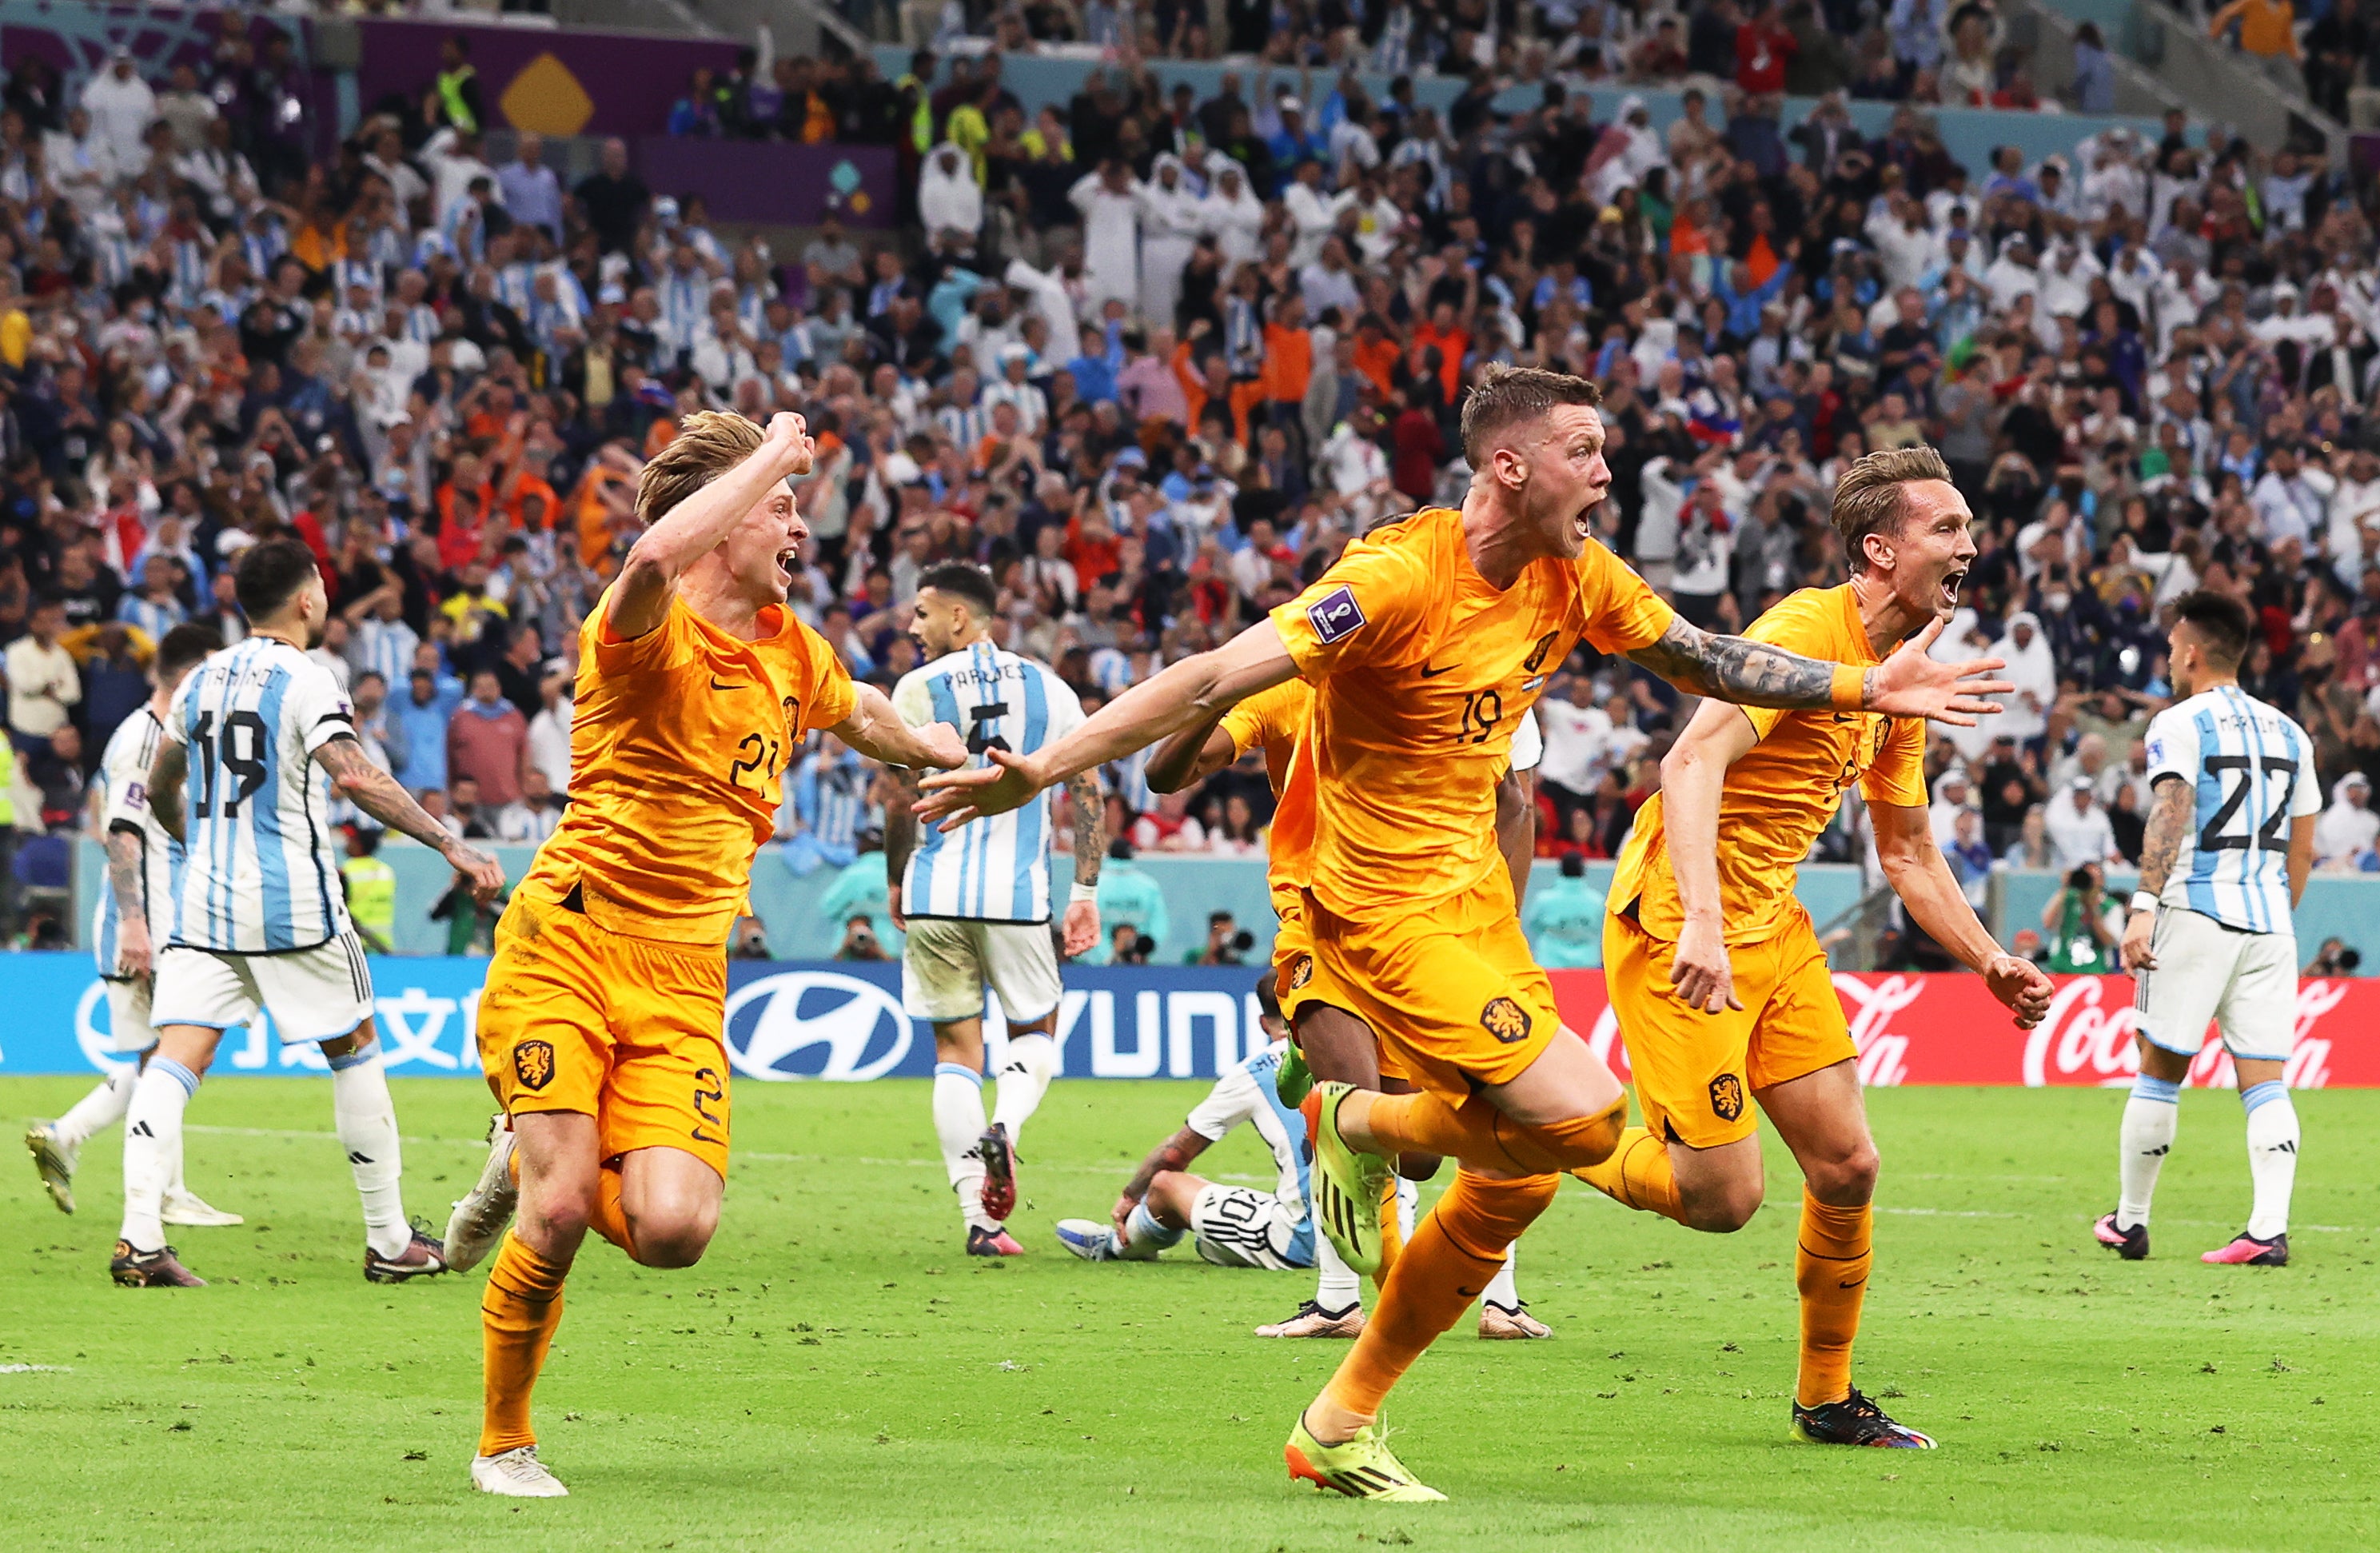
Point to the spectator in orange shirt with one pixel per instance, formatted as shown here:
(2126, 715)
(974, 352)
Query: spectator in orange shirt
(1453, 343)
(1375, 351)
(1289, 352)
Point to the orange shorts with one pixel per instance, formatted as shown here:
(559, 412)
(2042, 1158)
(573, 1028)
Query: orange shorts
(1696, 1073)
(1451, 993)
(1302, 981)
(627, 1029)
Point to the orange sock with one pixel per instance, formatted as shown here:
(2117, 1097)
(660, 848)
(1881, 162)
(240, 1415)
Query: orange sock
(1477, 1133)
(1637, 1175)
(609, 1220)
(1392, 1234)
(1830, 1268)
(1453, 1254)
(519, 1308)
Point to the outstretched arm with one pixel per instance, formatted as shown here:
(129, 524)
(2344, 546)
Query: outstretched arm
(1189, 757)
(1920, 876)
(1198, 689)
(692, 528)
(877, 731)
(1907, 684)
(356, 779)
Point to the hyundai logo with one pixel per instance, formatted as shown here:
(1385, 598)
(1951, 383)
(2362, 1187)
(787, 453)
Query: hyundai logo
(815, 1024)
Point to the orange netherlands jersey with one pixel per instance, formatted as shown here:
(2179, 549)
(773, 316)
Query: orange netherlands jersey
(1420, 671)
(1274, 721)
(679, 742)
(1785, 791)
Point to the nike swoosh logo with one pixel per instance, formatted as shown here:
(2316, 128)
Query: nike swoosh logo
(1469, 1293)
(1429, 673)
(1853, 1284)
(717, 686)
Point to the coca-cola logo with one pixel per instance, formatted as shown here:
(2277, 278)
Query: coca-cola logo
(1883, 1054)
(2081, 1039)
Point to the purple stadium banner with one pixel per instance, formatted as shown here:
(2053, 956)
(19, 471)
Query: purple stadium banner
(772, 181)
(573, 82)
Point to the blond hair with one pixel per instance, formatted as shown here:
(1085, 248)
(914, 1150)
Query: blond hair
(1870, 499)
(1507, 396)
(710, 444)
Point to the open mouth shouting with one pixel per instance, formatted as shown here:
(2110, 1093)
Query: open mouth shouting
(786, 561)
(1951, 581)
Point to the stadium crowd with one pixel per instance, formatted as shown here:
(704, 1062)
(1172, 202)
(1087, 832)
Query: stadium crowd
(1154, 361)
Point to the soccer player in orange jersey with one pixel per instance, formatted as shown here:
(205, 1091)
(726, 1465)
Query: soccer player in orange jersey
(1329, 1042)
(1720, 988)
(1423, 643)
(599, 1029)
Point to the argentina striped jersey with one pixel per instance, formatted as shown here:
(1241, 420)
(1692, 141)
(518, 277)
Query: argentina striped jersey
(259, 874)
(1248, 1093)
(994, 869)
(2250, 771)
(123, 806)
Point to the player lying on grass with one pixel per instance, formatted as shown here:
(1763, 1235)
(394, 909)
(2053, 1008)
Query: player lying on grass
(2211, 937)
(1717, 978)
(1234, 1226)
(134, 920)
(1418, 642)
(600, 1028)
(1325, 1040)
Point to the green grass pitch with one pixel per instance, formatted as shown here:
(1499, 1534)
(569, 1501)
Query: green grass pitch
(836, 1375)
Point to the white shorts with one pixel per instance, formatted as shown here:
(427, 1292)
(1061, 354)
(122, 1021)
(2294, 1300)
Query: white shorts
(127, 1017)
(1239, 1226)
(948, 961)
(2245, 982)
(312, 995)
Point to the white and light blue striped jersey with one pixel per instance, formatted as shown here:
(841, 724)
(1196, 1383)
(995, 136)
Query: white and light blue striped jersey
(830, 796)
(123, 806)
(2252, 771)
(1246, 1092)
(259, 871)
(994, 869)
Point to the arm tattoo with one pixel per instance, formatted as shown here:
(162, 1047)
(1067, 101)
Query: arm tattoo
(165, 773)
(124, 873)
(376, 792)
(1090, 826)
(2168, 826)
(1748, 673)
(1174, 1153)
(900, 823)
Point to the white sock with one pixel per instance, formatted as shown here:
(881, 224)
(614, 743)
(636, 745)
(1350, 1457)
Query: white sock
(958, 1126)
(2142, 1141)
(102, 1108)
(365, 1120)
(1501, 1290)
(152, 1140)
(2271, 1156)
(1145, 1234)
(1023, 1079)
(1339, 1286)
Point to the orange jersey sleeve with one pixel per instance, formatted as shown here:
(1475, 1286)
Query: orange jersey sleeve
(1274, 721)
(1785, 791)
(1420, 671)
(678, 748)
